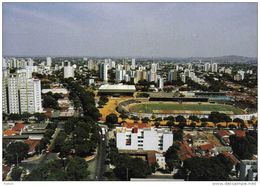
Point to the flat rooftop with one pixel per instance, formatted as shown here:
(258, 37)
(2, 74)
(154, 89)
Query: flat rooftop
(117, 87)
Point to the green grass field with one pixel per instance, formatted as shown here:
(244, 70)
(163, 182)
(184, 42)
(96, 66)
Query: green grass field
(150, 107)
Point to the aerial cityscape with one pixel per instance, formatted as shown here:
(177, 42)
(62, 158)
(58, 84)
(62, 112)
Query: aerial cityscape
(96, 94)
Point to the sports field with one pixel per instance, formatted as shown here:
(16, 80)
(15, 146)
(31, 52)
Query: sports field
(162, 107)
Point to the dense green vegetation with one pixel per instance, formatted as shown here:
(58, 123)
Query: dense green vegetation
(80, 137)
(127, 167)
(70, 169)
(15, 152)
(244, 147)
(215, 168)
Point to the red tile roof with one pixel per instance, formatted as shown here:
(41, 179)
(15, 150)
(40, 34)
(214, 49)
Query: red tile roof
(10, 133)
(206, 147)
(231, 157)
(18, 127)
(32, 144)
(136, 125)
(222, 133)
(151, 158)
(185, 152)
(240, 133)
(5, 170)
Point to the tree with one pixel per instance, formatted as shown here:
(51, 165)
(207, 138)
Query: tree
(194, 118)
(180, 119)
(14, 117)
(16, 152)
(203, 124)
(76, 169)
(135, 118)
(40, 116)
(49, 133)
(178, 135)
(112, 119)
(59, 141)
(170, 123)
(217, 117)
(157, 124)
(70, 169)
(104, 99)
(243, 147)
(170, 118)
(207, 169)
(145, 119)
(171, 156)
(57, 96)
(50, 102)
(16, 173)
(128, 167)
(193, 125)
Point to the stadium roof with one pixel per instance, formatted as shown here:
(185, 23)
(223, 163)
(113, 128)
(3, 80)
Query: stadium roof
(117, 88)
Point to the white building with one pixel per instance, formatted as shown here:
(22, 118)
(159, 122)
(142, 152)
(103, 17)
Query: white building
(228, 71)
(133, 64)
(143, 139)
(68, 71)
(103, 69)
(154, 67)
(183, 78)
(24, 94)
(172, 75)
(48, 60)
(119, 75)
(214, 67)
(242, 73)
(5, 74)
(190, 66)
(90, 64)
(248, 170)
(90, 81)
(160, 159)
(206, 67)
(151, 76)
(160, 82)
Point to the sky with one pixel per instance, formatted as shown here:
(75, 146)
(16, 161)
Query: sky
(130, 29)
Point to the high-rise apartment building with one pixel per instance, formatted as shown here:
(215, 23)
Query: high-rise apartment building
(68, 71)
(103, 69)
(21, 93)
(206, 67)
(48, 61)
(133, 64)
(214, 67)
(172, 75)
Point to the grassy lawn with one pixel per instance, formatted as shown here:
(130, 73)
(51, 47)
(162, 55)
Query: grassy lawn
(150, 107)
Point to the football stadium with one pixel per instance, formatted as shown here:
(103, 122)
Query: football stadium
(160, 108)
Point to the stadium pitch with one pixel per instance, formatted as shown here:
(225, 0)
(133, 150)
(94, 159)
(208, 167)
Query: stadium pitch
(165, 107)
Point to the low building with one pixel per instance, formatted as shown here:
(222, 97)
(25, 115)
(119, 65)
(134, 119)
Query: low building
(248, 170)
(146, 139)
(160, 159)
(56, 91)
(116, 90)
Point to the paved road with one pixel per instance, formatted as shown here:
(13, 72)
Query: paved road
(101, 158)
(44, 158)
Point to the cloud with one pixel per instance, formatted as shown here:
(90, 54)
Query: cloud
(132, 29)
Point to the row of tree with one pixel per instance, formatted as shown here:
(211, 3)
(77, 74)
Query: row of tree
(86, 98)
(70, 169)
(127, 167)
(80, 137)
